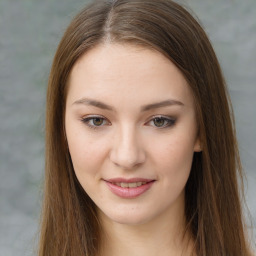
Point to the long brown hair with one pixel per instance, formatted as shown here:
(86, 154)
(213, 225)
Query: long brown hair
(213, 196)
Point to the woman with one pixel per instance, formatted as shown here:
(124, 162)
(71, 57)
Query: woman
(141, 153)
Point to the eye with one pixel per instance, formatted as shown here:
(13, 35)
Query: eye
(162, 122)
(94, 122)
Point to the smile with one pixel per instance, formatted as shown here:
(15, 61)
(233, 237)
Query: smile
(129, 185)
(129, 188)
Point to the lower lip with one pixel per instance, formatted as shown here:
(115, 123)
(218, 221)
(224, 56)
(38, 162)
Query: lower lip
(129, 192)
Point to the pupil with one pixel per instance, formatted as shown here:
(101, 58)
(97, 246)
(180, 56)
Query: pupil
(159, 122)
(97, 121)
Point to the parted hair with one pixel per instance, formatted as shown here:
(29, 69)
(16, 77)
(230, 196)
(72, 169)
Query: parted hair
(214, 190)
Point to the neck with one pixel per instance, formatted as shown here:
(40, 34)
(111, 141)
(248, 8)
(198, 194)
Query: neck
(164, 235)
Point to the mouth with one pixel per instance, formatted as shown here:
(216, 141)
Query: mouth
(131, 188)
(129, 185)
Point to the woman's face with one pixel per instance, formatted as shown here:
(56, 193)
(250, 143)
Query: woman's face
(131, 131)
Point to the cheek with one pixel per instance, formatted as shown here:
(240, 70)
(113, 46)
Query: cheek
(173, 157)
(87, 153)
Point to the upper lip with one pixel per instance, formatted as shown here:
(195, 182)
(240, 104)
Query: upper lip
(132, 180)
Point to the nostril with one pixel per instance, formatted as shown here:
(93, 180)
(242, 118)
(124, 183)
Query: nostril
(126, 151)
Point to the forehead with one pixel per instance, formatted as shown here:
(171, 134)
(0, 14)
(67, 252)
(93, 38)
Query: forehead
(128, 73)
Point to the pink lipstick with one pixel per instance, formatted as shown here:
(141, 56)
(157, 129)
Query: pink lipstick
(129, 188)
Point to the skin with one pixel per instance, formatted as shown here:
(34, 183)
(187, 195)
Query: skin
(129, 143)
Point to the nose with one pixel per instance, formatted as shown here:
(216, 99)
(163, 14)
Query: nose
(127, 151)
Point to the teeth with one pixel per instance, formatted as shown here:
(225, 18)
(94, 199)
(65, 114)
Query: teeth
(134, 185)
(130, 185)
(124, 185)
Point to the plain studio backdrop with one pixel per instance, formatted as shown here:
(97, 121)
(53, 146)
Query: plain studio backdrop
(30, 31)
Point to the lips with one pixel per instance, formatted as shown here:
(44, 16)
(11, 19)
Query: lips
(129, 185)
(129, 188)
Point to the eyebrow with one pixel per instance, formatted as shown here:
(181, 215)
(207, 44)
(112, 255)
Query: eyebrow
(101, 105)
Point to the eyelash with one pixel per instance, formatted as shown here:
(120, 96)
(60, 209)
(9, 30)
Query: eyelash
(170, 121)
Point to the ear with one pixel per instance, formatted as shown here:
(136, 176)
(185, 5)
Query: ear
(198, 145)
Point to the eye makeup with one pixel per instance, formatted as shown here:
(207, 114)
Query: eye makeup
(162, 122)
(158, 121)
(95, 122)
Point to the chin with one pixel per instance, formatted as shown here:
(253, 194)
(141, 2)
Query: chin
(128, 218)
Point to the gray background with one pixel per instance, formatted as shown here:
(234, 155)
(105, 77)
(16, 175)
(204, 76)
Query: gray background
(29, 33)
